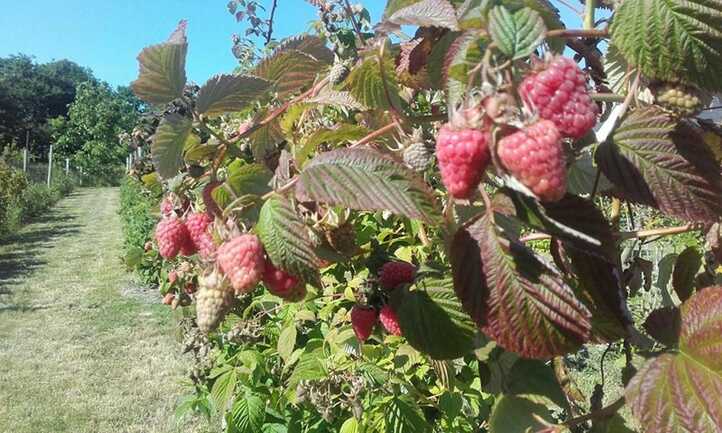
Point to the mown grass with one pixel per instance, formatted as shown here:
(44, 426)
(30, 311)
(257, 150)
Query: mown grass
(76, 355)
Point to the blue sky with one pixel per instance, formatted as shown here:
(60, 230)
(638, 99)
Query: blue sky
(107, 35)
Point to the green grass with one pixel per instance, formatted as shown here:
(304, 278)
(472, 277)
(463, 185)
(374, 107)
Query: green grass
(75, 354)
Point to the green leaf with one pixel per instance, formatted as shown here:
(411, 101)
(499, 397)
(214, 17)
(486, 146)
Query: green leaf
(513, 296)
(518, 34)
(309, 367)
(462, 56)
(433, 321)
(656, 162)
(224, 387)
(336, 137)
(404, 416)
(686, 267)
(350, 426)
(162, 74)
(680, 392)
(365, 179)
(286, 239)
(134, 256)
(366, 83)
(248, 414)
(246, 178)
(168, 143)
(309, 44)
(286, 342)
(672, 40)
(426, 13)
(229, 93)
(517, 414)
(274, 428)
(451, 403)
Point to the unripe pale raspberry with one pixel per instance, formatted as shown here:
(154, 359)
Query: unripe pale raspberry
(559, 93)
(213, 300)
(241, 260)
(418, 156)
(171, 235)
(339, 71)
(279, 282)
(393, 274)
(363, 320)
(390, 320)
(535, 157)
(685, 100)
(463, 156)
(197, 224)
(166, 207)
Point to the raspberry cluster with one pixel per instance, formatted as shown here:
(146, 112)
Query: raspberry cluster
(241, 260)
(463, 155)
(393, 274)
(679, 98)
(558, 92)
(535, 156)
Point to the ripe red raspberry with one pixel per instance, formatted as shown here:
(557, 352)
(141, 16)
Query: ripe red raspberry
(197, 224)
(463, 155)
(393, 274)
(363, 320)
(171, 235)
(241, 260)
(559, 93)
(279, 282)
(534, 155)
(188, 248)
(390, 320)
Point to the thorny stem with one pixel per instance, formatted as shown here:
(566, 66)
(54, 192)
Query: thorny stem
(602, 413)
(269, 33)
(578, 33)
(589, 6)
(635, 234)
(607, 97)
(355, 24)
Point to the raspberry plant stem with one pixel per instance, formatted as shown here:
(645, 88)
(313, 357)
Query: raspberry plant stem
(589, 6)
(578, 33)
(634, 234)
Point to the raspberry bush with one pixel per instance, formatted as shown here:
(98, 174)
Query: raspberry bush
(304, 203)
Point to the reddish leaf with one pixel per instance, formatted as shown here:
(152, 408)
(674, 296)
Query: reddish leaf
(654, 161)
(513, 296)
(663, 325)
(685, 269)
(680, 392)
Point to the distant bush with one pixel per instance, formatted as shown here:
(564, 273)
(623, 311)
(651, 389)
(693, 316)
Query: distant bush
(21, 200)
(138, 211)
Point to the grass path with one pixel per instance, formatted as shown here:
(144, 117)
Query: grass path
(75, 354)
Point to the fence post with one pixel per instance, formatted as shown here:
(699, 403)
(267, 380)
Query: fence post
(50, 165)
(67, 166)
(25, 160)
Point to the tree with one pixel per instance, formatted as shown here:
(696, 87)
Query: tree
(32, 93)
(96, 118)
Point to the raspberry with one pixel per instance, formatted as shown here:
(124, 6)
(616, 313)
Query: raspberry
(188, 248)
(685, 100)
(362, 321)
(197, 224)
(339, 71)
(168, 298)
(171, 235)
(279, 282)
(559, 93)
(393, 274)
(213, 300)
(534, 155)
(241, 260)
(172, 277)
(463, 156)
(166, 207)
(390, 320)
(418, 156)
